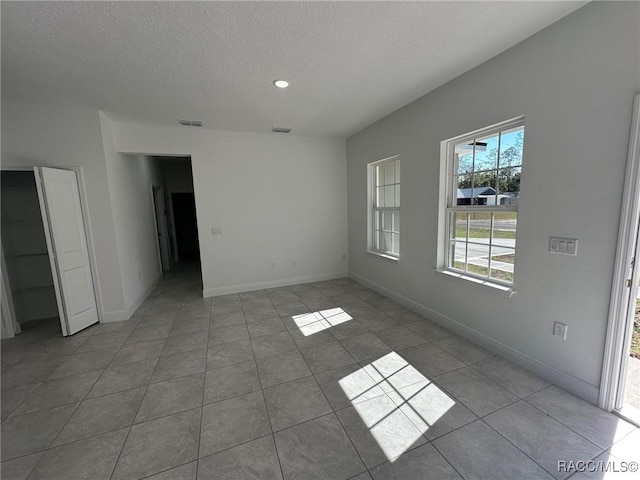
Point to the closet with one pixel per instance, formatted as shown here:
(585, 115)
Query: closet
(25, 249)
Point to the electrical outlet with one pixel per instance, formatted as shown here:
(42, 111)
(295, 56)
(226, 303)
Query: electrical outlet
(273, 265)
(216, 230)
(294, 263)
(560, 329)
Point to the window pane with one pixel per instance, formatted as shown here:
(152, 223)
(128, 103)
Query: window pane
(464, 181)
(379, 197)
(503, 258)
(504, 229)
(509, 185)
(387, 221)
(459, 226)
(389, 173)
(457, 255)
(380, 175)
(377, 242)
(502, 262)
(478, 259)
(464, 192)
(376, 220)
(486, 153)
(397, 204)
(396, 222)
(479, 227)
(386, 242)
(389, 196)
(464, 156)
(502, 275)
(397, 167)
(511, 143)
(396, 243)
(484, 191)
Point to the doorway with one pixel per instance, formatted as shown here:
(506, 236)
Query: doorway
(184, 215)
(620, 381)
(175, 178)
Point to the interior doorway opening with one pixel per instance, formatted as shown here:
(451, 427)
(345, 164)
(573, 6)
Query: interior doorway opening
(186, 227)
(180, 246)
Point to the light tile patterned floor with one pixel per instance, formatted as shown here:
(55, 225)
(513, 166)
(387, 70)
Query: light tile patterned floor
(320, 381)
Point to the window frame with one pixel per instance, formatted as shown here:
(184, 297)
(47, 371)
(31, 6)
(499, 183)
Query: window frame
(372, 209)
(449, 205)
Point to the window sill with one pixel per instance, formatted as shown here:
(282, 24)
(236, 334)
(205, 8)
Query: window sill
(479, 281)
(384, 255)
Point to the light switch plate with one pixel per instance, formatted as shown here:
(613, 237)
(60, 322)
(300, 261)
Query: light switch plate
(566, 246)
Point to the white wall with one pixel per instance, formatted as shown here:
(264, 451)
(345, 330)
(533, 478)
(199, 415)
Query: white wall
(37, 135)
(277, 199)
(130, 185)
(574, 82)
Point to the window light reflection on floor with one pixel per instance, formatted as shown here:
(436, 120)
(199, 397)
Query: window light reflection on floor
(310, 323)
(396, 402)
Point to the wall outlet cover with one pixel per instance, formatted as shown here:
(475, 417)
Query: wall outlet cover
(560, 329)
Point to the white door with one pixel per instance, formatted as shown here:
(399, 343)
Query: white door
(67, 244)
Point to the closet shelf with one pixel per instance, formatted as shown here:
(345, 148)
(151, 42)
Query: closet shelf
(31, 289)
(22, 221)
(23, 255)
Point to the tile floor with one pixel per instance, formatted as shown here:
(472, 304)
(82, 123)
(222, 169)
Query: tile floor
(320, 381)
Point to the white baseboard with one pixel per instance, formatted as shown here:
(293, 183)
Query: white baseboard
(564, 380)
(283, 282)
(121, 315)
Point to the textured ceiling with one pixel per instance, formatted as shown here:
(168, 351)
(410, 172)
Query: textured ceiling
(349, 63)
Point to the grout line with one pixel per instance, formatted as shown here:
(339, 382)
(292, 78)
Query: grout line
(266, 407)
(204, 385)
(517, 448)
(115, 465)
(445, 458)
(333, 412)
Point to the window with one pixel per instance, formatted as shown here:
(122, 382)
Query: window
(483, 191)
(384, 207)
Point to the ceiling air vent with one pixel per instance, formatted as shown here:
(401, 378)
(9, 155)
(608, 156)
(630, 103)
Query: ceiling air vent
(190, 123)
(280, 130)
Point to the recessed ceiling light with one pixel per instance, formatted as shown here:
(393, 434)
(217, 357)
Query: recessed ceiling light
(281, 83)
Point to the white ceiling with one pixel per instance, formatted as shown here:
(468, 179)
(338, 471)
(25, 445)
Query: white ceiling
(349, 63)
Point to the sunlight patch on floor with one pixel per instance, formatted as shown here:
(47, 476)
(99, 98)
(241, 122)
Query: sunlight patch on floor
(310, 323)
(395, 401)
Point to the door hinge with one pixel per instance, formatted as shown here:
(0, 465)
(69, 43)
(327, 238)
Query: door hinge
(628, 282)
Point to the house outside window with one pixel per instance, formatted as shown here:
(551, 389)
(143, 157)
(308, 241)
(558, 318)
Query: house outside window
(384, 207)
(482, 196)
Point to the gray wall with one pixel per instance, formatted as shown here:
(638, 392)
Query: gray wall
(574, 83)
